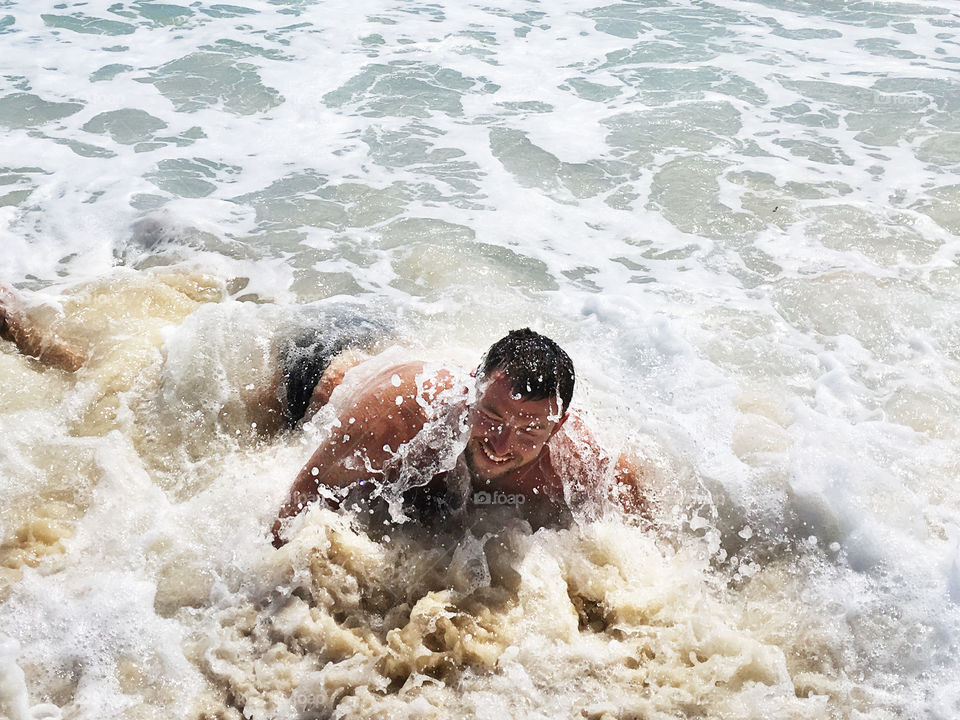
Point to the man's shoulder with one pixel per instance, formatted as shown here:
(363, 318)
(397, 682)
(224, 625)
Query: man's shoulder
(409, 380)
(396, 401)
(574, 452)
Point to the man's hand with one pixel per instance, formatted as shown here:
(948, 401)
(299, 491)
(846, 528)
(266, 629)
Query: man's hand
(305, 489)
(278, 542)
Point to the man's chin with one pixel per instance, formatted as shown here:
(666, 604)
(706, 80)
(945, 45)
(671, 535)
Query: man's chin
(485, 470)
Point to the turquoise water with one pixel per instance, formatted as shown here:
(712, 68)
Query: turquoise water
(740, 218)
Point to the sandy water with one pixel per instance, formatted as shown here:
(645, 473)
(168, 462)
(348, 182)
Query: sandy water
(740, 218)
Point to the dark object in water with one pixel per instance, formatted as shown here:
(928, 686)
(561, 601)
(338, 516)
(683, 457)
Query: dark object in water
(308, 351)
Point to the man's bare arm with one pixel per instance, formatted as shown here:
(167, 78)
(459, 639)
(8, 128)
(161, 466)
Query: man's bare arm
(361, 443)
(337, 463)
(629, 489)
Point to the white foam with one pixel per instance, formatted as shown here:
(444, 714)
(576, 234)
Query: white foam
(738, 217)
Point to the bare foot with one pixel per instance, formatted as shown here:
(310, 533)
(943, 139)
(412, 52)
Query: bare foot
(7, 303)
(32, 340)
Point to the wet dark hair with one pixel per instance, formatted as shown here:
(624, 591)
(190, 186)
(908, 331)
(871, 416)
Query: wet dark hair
(538, 367)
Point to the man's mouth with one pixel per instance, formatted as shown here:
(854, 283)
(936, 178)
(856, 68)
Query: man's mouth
(492, 457)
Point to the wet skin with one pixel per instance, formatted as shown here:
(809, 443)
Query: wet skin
(32, 340)
(508, 435)
(507, 449)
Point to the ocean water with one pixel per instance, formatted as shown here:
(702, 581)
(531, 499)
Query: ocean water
(740, 218)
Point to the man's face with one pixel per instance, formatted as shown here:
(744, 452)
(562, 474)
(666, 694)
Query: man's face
(507, 432)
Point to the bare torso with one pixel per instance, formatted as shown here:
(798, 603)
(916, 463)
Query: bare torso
(388, 413)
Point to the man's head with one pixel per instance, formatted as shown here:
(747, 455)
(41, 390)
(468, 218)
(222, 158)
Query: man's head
(526, 383)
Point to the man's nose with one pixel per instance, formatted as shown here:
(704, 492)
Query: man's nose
(499, 438)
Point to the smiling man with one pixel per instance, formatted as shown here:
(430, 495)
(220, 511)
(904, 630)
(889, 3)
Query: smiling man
(397, 440)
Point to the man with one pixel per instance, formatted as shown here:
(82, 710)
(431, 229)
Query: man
(394, 440)
(421, 442)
